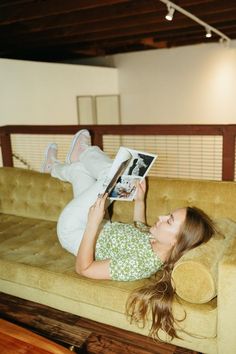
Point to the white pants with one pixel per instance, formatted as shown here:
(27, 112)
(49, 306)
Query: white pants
(87, 177)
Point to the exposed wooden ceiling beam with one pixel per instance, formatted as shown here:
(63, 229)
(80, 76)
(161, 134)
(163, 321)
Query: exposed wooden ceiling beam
(87, 17)
(65, 29)
(153, 22)
(125, 10)
(22, 12)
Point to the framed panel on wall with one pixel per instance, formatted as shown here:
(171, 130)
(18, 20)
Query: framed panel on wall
(86, 110)
(107, 108)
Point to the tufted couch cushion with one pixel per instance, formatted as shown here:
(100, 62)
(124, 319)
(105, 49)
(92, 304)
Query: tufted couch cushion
(32, 194)
(167, 194)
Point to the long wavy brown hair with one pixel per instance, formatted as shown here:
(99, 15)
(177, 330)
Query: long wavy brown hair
(157, 297)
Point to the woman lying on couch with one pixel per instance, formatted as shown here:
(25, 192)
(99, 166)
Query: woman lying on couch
(119, 251)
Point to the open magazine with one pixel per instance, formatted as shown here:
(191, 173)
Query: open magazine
(129, 167)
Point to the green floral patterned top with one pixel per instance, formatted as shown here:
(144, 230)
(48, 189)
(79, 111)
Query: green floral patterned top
(129, 250)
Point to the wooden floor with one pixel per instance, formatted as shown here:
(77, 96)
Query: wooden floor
(78, 334)
(16, 339)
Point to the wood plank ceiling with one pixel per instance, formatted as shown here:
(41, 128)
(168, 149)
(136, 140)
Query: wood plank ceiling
(62, 30)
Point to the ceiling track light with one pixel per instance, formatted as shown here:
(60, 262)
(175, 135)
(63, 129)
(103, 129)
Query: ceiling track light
(172, 7)
(208, 33)
(170, 14)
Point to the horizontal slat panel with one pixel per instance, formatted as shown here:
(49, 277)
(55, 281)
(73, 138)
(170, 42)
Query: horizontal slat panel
(178, 156)
(28, 150)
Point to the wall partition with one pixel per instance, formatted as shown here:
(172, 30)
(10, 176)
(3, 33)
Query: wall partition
(184, 151)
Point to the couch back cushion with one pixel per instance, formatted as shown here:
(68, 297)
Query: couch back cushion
(216, 198)
(32, 194)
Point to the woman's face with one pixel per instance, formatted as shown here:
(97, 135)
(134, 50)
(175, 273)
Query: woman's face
(166, 229)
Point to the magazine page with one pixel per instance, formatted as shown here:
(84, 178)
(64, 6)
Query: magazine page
(129, 167)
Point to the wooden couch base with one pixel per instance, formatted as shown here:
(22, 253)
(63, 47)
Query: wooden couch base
(84, 336)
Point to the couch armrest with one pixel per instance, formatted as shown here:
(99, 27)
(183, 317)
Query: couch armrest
(227, 301)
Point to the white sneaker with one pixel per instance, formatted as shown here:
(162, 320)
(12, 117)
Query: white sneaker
(50, 158)
(80, 142)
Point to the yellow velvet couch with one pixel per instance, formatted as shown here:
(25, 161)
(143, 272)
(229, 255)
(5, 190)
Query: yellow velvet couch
(33, 265)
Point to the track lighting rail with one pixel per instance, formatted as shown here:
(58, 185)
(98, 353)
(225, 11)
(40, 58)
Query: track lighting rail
(172, 7)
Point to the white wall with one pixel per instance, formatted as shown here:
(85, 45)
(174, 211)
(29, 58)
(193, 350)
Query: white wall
(193, 84)
(45, 93)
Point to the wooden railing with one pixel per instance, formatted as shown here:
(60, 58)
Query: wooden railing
(228, 133)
